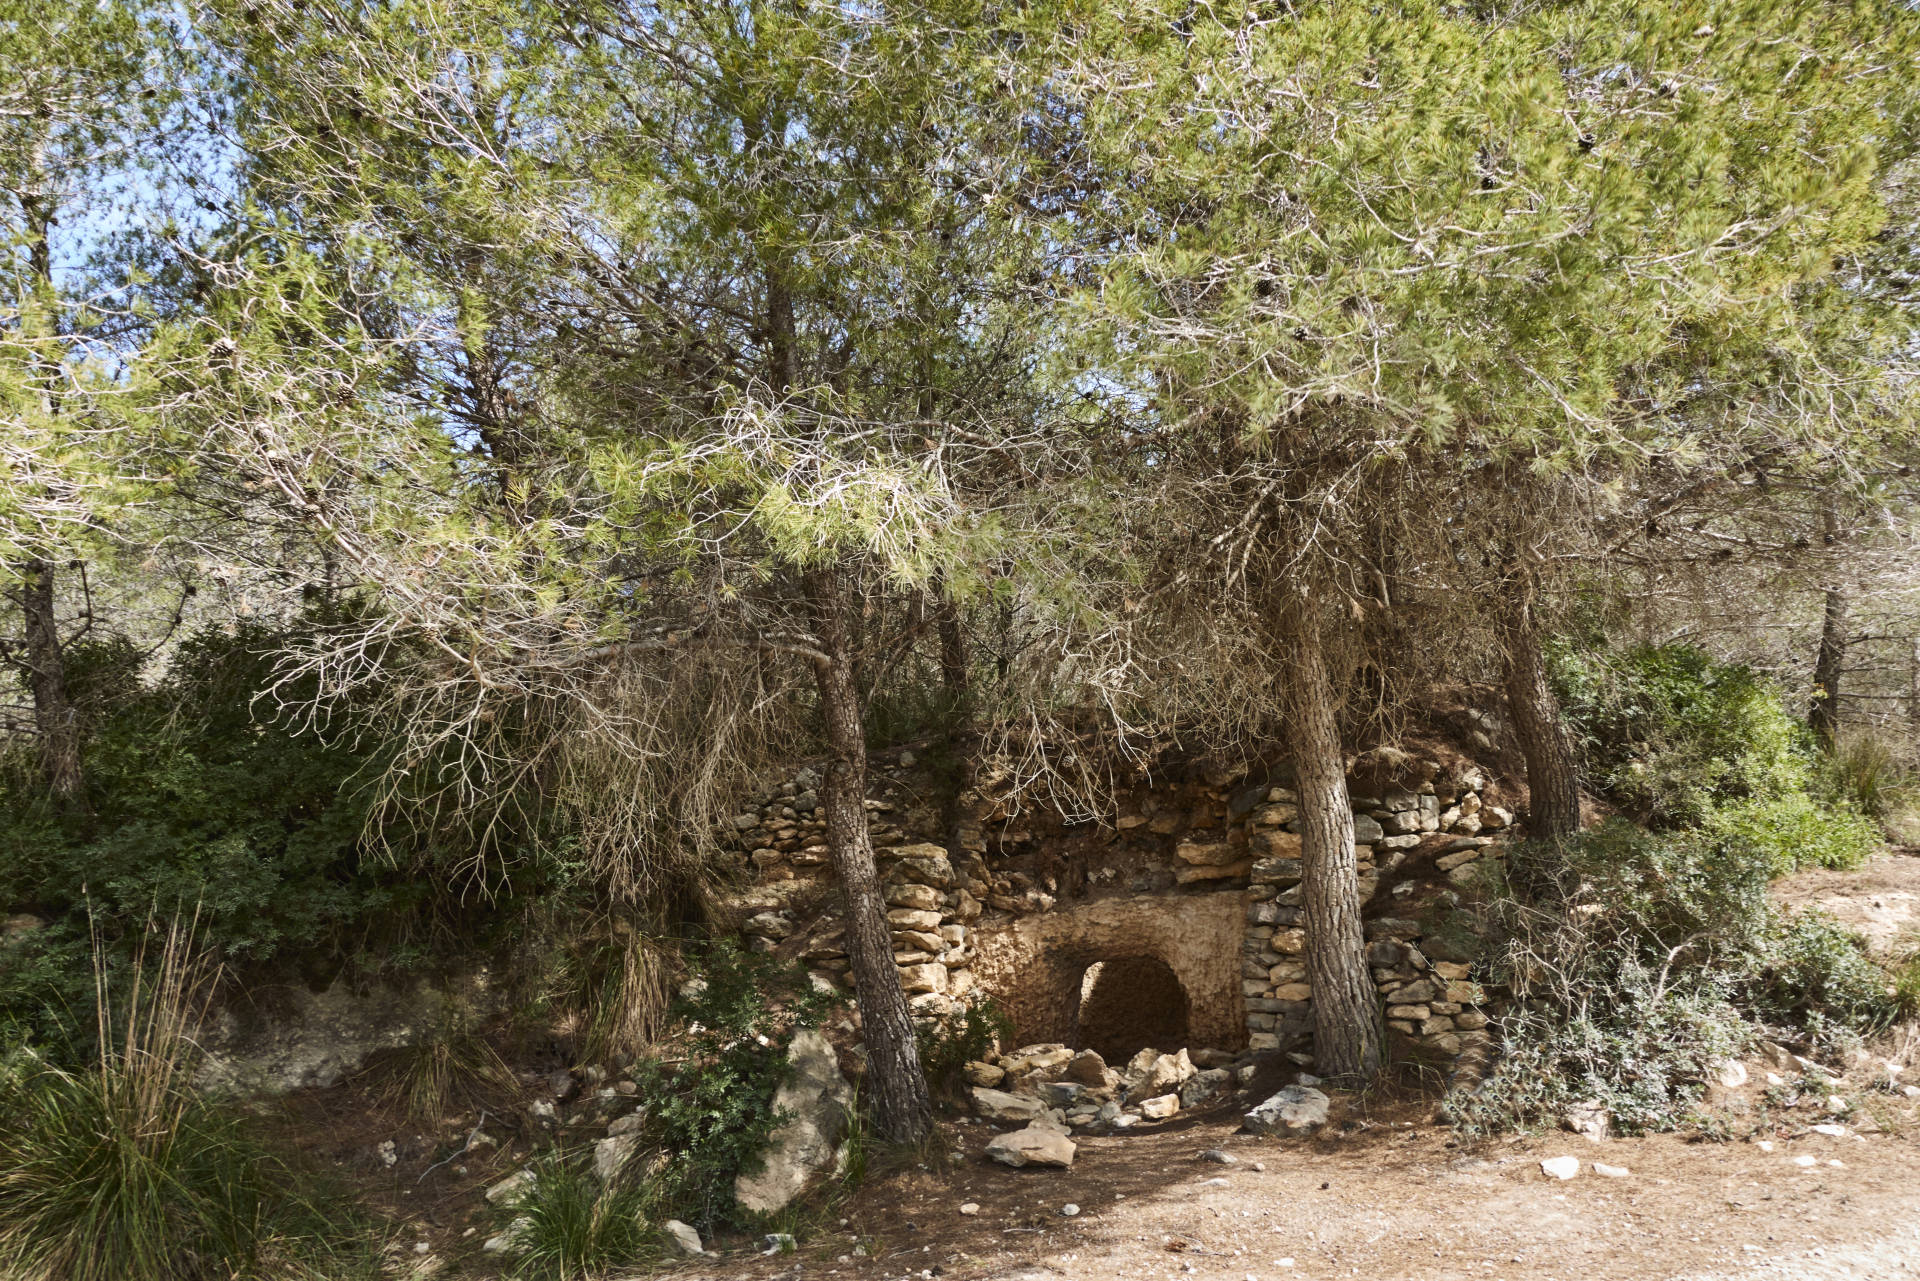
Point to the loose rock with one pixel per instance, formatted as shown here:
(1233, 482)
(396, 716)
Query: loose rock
(1298, 1109)
(684, 1236)
(1032, 1146)
(1560, 1167)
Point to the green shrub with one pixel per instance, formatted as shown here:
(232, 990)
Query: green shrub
(1636, 959)
(205, 799)
(711, 1114)
(1686, 741)
(948, 1046)
(570, 1224)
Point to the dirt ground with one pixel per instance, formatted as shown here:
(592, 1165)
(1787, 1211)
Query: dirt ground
(1395, 1198)
(1880, 898)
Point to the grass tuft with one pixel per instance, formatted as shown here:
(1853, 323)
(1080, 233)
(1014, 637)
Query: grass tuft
(123, 1171)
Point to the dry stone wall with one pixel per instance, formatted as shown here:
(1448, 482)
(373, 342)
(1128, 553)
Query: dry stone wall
(1198, 870)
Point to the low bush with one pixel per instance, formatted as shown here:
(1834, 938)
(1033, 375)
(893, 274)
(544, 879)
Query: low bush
(1636, 959)
(947, 1047)
(711, 1112)
(205, 799)
(1683, 741)
(706, 1114)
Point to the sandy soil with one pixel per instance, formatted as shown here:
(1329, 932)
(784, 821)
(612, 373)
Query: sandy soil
(1393, 1197)
(1881, 898)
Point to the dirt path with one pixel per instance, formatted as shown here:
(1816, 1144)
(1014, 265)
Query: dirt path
(1880, 898)
(1395, 1200)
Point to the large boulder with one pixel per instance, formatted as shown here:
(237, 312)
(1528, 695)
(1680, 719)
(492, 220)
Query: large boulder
(1298, 1109)
(1035, 1145)
(818, 1103)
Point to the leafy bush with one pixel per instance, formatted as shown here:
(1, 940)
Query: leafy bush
(1687, 741)
(1636, 959)
(712, 1113)
(947, 1047)
(204, 799)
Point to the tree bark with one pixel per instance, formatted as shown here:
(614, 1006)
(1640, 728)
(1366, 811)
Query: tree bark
(956, 728)
(1553, 781)
(1346, 1008)
(55, 723)
(1823, 713)
(896, 1084)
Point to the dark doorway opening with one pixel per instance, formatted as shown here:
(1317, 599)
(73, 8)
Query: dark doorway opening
(1128, 1005)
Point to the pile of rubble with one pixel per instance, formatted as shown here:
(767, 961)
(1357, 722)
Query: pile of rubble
(1051, 1092)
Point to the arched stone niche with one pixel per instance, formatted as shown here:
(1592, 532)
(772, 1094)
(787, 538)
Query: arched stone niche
(1035, 967)
(1130, 1004)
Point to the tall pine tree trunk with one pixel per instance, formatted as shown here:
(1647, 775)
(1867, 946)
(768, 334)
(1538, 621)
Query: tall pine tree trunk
(1346, 1008)
(1828, 668)
(956, 727)
(55, 723)
(896, 1085)
(1553, 780)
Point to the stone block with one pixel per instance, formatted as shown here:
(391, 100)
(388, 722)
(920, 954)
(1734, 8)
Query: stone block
(1275, 844)
(1210, 872)
(1212, 854)
(925, 977)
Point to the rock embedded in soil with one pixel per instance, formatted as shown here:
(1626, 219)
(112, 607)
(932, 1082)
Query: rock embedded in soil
(1033, 1146)
(1606, 1171)
(1204, 1086)
(684, 1236)
(817, 1103)
(1297, 1109)
(513, 1189)
(1588, 1120)
(510, 1239)
(1560, 1167)
(998, 1105)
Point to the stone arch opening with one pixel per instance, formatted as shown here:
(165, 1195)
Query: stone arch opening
(1129, 1004)
(1035, 967)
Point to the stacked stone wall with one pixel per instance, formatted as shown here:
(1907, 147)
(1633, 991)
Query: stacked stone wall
(1198, 868)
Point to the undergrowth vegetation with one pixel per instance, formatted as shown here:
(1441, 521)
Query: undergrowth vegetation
(122, 1170)
(1637, 960)
(1681, 740)
(706, 1115)
(205, 797)
(1639, 957)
